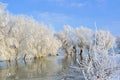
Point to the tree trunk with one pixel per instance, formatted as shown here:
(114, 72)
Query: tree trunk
(81, 55)
(89, 57)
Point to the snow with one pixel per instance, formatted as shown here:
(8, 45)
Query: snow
(115, 76)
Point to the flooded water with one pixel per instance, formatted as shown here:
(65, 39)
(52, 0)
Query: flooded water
(51, 68)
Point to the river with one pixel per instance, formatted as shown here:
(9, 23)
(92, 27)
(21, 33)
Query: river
(50, 68)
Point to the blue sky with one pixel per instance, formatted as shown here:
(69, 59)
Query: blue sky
(106, 13)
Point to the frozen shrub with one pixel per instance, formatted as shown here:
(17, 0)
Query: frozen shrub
(100, 66)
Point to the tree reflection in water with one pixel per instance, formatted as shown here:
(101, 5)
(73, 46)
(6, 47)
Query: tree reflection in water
(40, 69)
(52, 68)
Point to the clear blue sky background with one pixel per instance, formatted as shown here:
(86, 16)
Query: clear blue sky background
(106, 13)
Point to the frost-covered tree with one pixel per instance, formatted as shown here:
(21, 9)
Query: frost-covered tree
(118, 43)
(4, 19)
(22, 35)
(2, 47)
(103, 40)
(83, 36)
(75, 40)
(100, 66)
(65, 36)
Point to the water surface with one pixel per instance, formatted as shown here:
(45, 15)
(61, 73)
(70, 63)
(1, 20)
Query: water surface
(51, 68)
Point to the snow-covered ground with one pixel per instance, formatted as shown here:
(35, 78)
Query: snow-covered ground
(115, 75)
